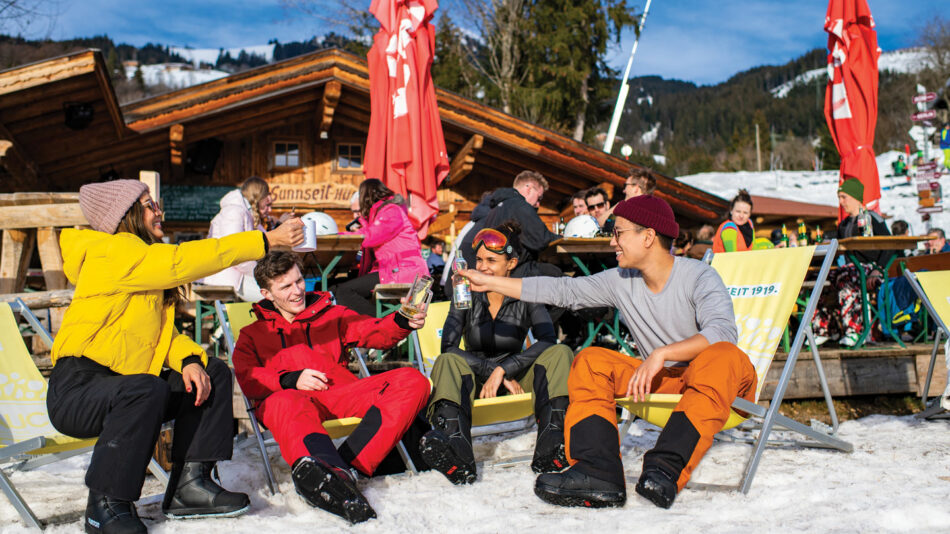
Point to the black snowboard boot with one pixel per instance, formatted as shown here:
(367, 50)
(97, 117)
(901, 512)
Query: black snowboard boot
(657, 486)
(330, 488)
(191, 493)
(576, 488)
(549, 456)
(447, 448)
(105, 515)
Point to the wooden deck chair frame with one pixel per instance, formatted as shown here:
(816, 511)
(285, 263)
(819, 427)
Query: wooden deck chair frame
(43, 450)
(336, 428)
(817, 435)
(941, 332)
(507, 413)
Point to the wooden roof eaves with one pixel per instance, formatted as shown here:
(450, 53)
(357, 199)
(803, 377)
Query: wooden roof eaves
(197, 100)
(46, 71)
(108, 95)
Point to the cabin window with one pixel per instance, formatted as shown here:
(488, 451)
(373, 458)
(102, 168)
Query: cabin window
(349, 156)
(286, 154)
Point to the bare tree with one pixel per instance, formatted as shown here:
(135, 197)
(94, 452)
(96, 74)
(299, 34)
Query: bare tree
(501, 27)
(19, 16)
(935, 38)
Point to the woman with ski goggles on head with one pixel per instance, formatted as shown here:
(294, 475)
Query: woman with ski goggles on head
(495, 362)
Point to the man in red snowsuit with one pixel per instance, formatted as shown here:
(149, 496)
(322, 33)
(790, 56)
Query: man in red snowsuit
(291, 363)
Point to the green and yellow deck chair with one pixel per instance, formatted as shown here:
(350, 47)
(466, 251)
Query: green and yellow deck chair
(933, 289)
(764, 285)
(235, 316)
(486, 413)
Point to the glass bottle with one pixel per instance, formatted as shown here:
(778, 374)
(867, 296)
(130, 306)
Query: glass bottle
(864, 223)
(784, 236)
(461, 287)
(802, 234)
(819, 236)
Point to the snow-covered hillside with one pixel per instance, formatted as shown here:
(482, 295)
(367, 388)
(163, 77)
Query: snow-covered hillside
(907, 60)
(197, 56)
(175, 75)
(898, 196)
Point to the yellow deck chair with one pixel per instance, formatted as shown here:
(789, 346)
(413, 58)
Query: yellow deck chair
(933, 289)
(764, 285)
(27, 437)
(235, 316)
(504, 409)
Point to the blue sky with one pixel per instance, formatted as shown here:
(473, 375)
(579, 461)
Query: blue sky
(704, 41)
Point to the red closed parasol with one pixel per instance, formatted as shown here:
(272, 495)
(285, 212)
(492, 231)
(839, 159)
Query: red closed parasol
(405, 147)
(851, 95)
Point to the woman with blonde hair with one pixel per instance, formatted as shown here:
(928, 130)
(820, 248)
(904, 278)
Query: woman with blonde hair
(121, 368)
(244, 209)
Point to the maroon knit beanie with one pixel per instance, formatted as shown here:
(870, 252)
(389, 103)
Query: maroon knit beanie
(651, 212)
(105, 203)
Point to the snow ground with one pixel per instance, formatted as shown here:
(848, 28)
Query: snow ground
(898, 196)
(896, 480)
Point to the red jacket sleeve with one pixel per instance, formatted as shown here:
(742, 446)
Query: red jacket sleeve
(370, 332)
(257, 380)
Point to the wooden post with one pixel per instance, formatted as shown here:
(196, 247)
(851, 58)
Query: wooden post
(15, 258)
(176, 145)
(51, 258)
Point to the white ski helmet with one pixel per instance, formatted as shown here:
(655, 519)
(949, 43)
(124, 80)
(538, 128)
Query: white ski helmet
(324, 223)
(582, 226)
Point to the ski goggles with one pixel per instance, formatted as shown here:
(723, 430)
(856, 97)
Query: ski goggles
(493, 240)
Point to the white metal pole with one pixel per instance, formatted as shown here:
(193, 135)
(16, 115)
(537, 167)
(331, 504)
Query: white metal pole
(624, 86)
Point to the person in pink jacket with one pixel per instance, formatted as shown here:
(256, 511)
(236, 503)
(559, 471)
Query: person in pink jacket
(392, 253)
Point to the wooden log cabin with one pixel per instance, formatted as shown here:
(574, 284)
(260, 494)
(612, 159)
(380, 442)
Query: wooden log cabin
(301, 124)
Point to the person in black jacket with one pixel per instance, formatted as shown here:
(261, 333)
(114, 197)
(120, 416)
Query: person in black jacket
(494, 362)
(519, 203)
(840, 311)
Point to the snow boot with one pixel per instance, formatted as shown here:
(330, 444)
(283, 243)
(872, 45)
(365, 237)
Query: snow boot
(447, 448)
(105, 515)
(191, 493)
(657, 486)
(574, 487)
(549, 456)
(330, 488)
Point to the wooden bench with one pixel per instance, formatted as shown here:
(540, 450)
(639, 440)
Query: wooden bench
(930, 262)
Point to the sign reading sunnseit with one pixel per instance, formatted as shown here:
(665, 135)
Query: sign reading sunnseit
(312, 195)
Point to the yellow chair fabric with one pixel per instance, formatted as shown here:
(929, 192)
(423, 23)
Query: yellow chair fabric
(23, 413)
(764, 285)
(484, 411)
(936, 284)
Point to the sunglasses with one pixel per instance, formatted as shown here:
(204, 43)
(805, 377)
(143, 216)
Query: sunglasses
(597, 206)
(493, 240)
(152, 205)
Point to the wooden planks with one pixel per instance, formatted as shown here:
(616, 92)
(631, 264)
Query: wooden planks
(860, 372)
(14, 259)
(464, 160)
(41, 215)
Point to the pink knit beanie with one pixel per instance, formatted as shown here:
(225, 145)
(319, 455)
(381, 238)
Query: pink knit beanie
(651, 212)
(105, 203)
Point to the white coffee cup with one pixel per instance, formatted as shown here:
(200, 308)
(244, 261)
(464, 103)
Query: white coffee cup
(309, 237)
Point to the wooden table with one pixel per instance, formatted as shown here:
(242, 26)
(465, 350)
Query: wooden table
(848, 246)
(592, 249)
(331, 251)
(580, 248)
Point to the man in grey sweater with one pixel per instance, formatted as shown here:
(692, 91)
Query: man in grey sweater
(681, 318)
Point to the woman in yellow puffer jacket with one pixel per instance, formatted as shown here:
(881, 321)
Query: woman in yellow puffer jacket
(121, 368)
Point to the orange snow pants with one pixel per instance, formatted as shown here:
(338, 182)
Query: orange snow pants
(708, 384)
